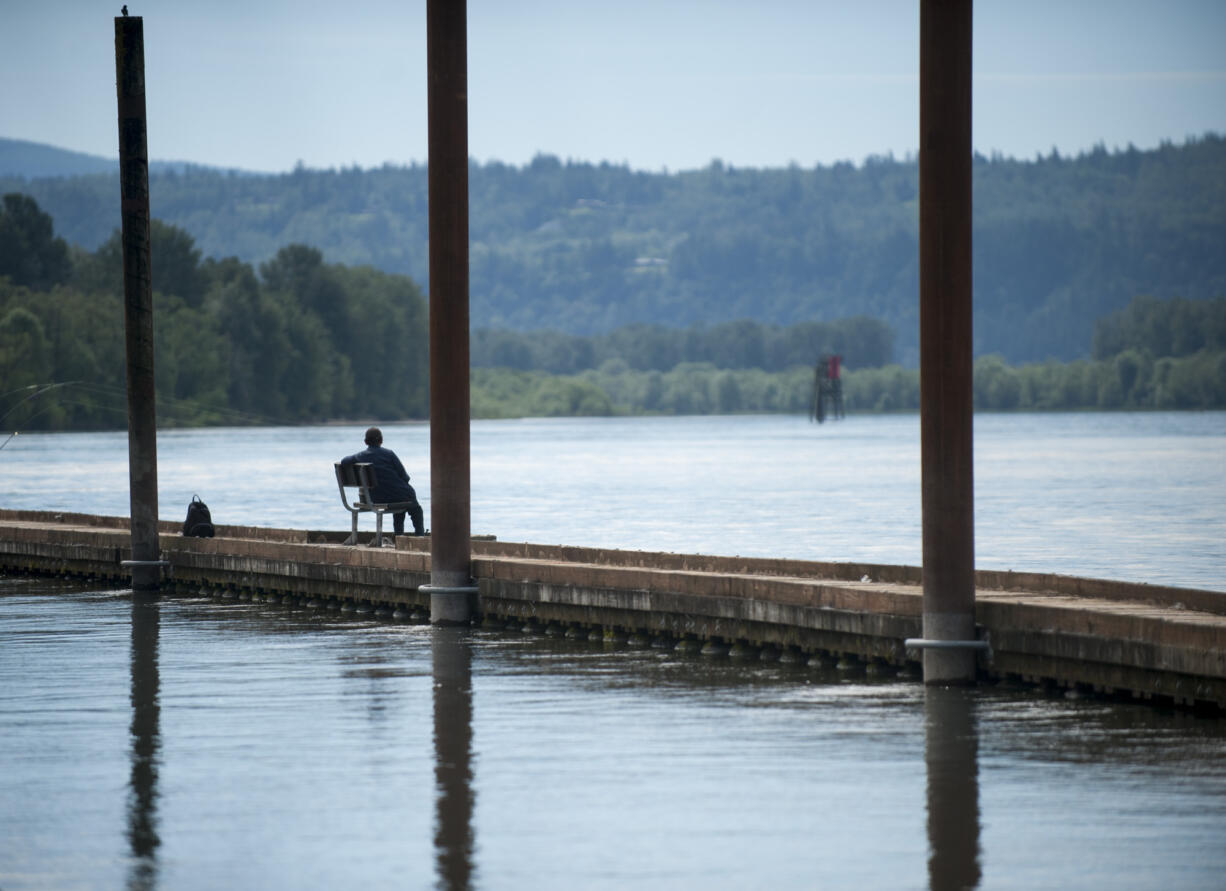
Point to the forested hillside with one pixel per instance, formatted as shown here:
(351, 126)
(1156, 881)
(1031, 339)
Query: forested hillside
(299, 339)
(587, 248)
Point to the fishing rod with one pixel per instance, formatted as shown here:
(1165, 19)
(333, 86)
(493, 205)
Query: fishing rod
(39, 389)
(170, 405)
(32, 417)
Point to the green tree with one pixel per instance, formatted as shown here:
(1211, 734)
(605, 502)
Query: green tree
(30, 253)
(25, 355)
(1174, 327)
(388, 352)
(190, 365)
(299, 270)
(174, 262)
(728, 393)
(255, 328)
(997, 387)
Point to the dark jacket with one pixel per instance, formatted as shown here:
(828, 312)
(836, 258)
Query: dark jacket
(391, 480)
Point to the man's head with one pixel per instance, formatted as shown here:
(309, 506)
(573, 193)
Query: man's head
(374, 437)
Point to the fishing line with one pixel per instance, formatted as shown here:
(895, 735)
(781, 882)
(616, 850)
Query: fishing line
(174, 409)
(41, 388)
(174, 404)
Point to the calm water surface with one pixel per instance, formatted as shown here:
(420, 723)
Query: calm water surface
(203, 744)
(1138, 497)
(191, 743)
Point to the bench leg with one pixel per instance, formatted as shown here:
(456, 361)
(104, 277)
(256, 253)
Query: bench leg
(378, 542)
(353, 534)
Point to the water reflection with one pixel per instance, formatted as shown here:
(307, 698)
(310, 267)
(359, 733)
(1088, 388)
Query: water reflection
(451, 649)
(142, 785)
(735, 752)
(951, 754)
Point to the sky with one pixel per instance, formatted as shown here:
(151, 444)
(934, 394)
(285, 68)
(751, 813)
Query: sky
(655, 84)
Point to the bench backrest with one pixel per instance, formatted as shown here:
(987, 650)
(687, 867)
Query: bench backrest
(356, 475)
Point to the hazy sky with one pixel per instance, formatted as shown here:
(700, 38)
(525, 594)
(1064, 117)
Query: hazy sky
(262, 84)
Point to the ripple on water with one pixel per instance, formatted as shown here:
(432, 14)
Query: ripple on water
(319, 752)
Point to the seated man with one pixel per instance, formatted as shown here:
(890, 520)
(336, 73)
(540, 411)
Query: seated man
(391, 481)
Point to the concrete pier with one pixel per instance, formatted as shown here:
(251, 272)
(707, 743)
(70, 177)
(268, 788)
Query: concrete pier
(1081, 635)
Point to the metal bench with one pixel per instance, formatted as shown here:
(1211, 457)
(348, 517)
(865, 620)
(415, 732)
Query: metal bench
(362, 477)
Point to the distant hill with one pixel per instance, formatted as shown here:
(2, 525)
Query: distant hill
(30, 160)
(21, 159)
(586, 248)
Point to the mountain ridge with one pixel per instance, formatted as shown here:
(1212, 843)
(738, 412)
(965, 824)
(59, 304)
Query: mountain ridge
(586, 248)
(26, 159)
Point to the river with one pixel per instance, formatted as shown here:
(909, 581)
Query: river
(1132, 496)
(193, 743)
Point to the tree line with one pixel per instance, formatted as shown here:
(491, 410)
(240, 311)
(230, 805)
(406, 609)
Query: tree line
(1194, 382)
(585, 248)
(301, 340)
(1153, 354)
(745, 344)
(298, 340)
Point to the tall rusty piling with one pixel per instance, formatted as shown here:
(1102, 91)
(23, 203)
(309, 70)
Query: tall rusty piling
(945, 341)
(451, 591)
(138, 301)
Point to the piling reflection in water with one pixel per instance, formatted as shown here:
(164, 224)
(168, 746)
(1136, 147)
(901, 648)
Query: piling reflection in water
(951, 754)
(451, 651)
(303, 746)
(146, 713)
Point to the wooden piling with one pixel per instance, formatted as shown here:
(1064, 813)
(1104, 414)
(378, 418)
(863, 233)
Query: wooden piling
(138, 301)
(945, 338)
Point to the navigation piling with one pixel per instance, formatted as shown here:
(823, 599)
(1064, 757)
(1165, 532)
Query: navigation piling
(451, 587)
(945, 341)
(145, 564)
(827, 388)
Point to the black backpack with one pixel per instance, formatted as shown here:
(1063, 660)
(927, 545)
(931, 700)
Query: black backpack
(199, 521)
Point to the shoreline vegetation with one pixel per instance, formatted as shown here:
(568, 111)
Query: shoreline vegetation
(302, 341)
(1131, 380)
(1134, 382)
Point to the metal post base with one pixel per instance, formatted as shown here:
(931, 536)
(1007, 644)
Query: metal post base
(948, 662)
(920, 643)
(451, 605)
(950, 646)
(146, 574)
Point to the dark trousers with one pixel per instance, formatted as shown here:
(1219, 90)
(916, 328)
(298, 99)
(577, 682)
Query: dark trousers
(418, 520)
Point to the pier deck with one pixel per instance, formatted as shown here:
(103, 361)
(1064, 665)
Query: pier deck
(1087, 635)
